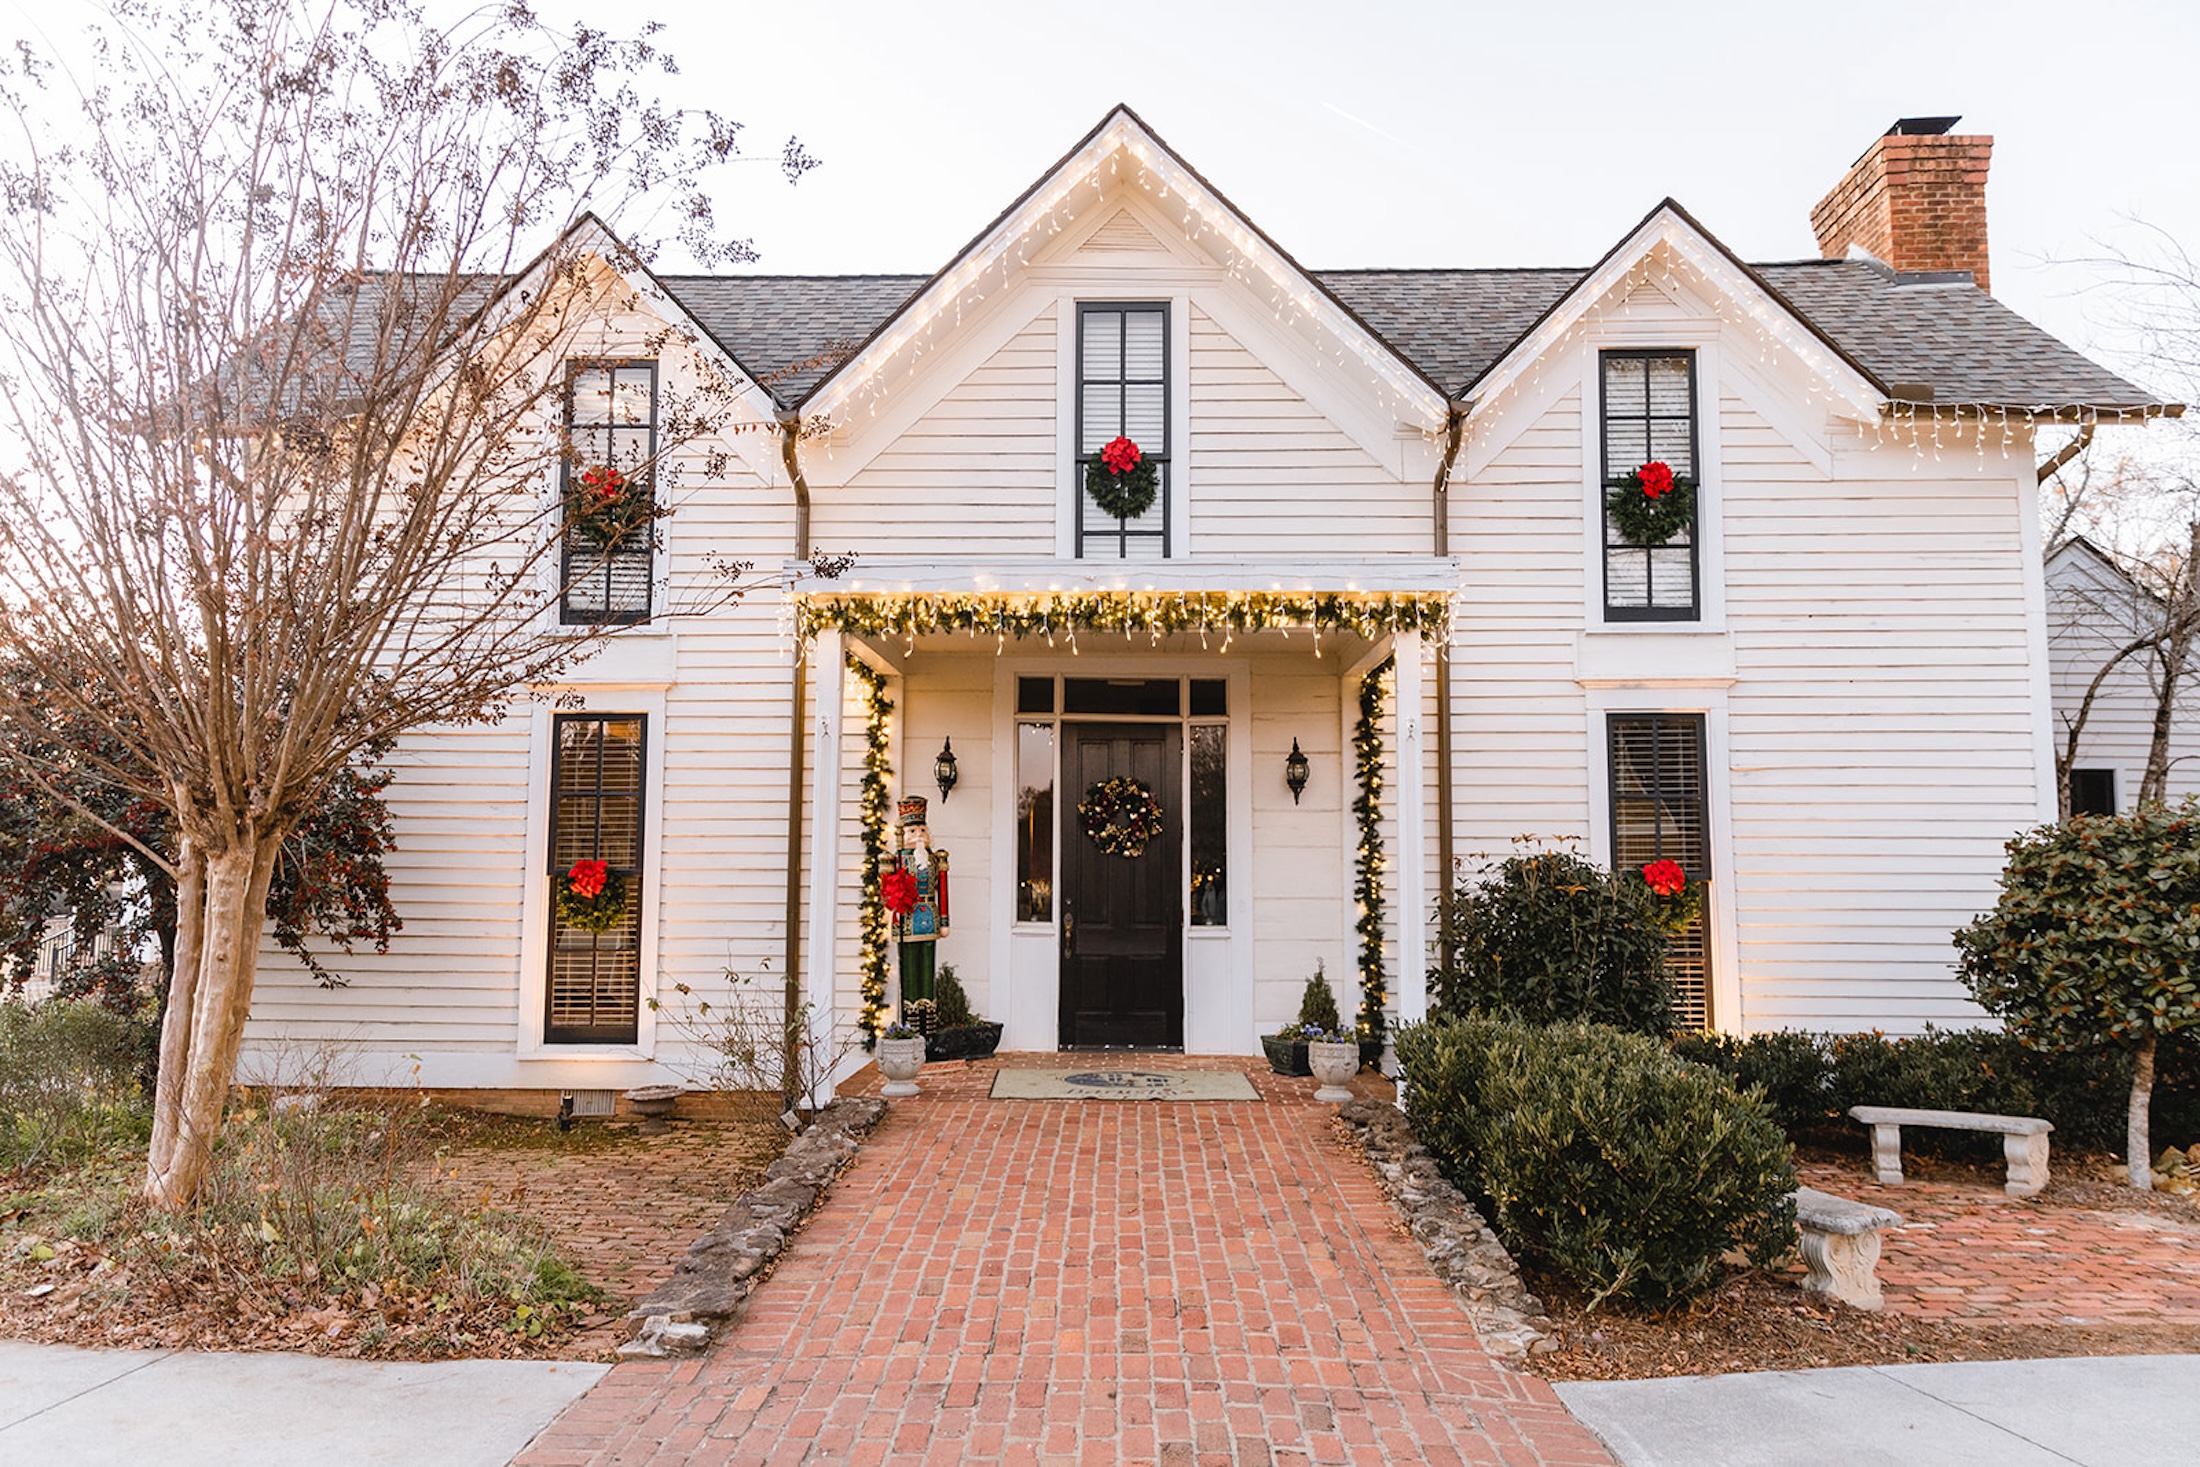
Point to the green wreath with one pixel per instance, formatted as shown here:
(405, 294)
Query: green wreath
(605, 504)
(1645, 518)
(1122, 480)
(1120, 816)
(592, 897)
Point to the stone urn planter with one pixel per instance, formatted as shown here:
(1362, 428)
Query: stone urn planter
(654, 1104)
(899, 1060)
(1334, 1065)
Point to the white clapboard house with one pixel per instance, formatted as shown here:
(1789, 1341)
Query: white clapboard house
(1378, 542)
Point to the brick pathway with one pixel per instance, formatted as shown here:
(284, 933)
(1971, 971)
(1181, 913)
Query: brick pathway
(1089, 1281)
(1970, 1253)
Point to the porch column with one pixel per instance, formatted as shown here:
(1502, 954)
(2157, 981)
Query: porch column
(1412, 908)
(829, 676)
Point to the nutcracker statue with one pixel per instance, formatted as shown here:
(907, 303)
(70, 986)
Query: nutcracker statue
(924, 923)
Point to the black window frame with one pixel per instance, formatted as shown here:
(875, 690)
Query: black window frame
(630, 1032)
(1697, 863)
(580, 559)
(1694, 610)
(1121, 535)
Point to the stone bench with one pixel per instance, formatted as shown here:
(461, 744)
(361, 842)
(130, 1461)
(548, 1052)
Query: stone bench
(1839, 1241)
(2023, 1141)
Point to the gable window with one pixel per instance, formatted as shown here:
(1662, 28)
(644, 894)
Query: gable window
(1123, 391)
(610, 425)
(1649, 415)
(596, 815)
(1659, 813)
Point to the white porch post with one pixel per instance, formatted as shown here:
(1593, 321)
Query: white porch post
(829, 676)
(1412, 904)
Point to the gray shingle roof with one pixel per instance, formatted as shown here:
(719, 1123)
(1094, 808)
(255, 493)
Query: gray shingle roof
(1456, 324)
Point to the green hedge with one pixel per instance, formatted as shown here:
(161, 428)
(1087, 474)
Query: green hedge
(1600, 1154)
(69, 1080)
(1811, 1080)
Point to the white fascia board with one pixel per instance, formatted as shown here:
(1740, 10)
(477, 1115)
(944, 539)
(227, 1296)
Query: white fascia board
(1390, 573)
(1850, 390)
(1007, 247)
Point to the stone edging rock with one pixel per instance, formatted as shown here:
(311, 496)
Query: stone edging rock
(721, 1268)
(1460, 1246)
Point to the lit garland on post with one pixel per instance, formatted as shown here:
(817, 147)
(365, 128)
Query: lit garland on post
(871, 805)
(1153, 614)
(1367, 865)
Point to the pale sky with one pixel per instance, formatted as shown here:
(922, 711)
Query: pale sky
(1372, 133)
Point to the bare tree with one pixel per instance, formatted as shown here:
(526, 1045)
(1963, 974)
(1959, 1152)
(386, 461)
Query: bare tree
(286, 302)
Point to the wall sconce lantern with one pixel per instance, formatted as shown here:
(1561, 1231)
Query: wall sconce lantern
(1295, 771)
(943, 768)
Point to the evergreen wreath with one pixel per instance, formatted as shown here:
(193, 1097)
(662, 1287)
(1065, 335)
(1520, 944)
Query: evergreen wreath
(1122, 480)
(1120, 816)
(1650, 505)
(606, 504)
(592, 897)
(1674, 898)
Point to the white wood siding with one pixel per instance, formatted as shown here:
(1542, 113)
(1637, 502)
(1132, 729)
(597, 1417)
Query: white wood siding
(2092, 612)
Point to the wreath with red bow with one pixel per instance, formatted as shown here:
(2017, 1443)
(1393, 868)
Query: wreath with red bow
(1650, 505)
(592, 897)
(1122, 480)
(1677, 899)
(606, 504)
(1120, 816)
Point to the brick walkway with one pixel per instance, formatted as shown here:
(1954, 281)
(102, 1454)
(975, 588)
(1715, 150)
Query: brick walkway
(1089, 1281)
(1969, 1253)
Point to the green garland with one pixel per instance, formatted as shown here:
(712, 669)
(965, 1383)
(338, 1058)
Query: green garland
(1132, 613)
(1367, 865)
(871, 807)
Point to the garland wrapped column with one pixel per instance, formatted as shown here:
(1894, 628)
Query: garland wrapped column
(1367, 864)
(871, 803)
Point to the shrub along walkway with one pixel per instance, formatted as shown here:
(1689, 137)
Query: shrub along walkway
(1089, 1281)
(1969, 1254)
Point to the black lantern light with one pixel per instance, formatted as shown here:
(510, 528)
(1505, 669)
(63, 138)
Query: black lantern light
(1295, 771)
(943, 768)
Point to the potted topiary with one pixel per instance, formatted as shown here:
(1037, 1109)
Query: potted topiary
(1286, 1048)
(957, 1033)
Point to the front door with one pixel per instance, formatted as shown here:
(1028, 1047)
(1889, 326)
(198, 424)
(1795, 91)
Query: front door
(1122, 916)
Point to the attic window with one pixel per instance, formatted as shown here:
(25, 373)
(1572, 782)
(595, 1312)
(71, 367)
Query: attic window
(1122, 391)
(1649, 415)
(610, 425)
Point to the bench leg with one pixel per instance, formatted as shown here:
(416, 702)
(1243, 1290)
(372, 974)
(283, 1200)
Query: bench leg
(1841, 1266)
(1887, 1154)
(2027, 1158)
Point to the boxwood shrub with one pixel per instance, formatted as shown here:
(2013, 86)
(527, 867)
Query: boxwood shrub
(1600, 1154)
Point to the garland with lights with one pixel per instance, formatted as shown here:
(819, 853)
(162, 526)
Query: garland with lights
(1651, 504)
(1121, 817)
(871, 807)
(1367, 864)
(1122, 480)
(1132, 613)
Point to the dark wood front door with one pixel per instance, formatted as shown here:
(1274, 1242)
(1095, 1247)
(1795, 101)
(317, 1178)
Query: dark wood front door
(1123, 917)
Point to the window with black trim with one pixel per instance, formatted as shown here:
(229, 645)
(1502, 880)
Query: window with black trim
(1123, 392)
(596, 782)
(607, 484)
(2092, 791)
(1649, 416)
(1660, 813)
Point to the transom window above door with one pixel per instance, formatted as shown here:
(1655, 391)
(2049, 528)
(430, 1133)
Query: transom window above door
(1122, 392)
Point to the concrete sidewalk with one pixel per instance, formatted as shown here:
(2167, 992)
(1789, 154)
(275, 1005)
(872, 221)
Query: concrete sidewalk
(2115, 1411)
(132, 1408)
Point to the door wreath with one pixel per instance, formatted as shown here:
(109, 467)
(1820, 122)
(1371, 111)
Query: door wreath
(1120, 816)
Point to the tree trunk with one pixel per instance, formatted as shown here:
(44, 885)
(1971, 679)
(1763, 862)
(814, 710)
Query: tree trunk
(221, 909)
(2136, 1145)
(2181, 620)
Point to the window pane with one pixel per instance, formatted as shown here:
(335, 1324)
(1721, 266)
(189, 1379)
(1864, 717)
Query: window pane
(1626, 446)
(1659, 813)
(1103, 346)
(1210, 697)
(1103, 416)
(1035, 695)
(592, 395)
(1145, 416)
(1144, 351)
(1034, 821)
(1147, 698)
(1209, 825)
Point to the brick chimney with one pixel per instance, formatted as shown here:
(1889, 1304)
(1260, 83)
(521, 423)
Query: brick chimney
(1916, 200)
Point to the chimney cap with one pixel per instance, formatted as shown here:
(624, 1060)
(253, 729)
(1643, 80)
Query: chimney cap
(1922, 127)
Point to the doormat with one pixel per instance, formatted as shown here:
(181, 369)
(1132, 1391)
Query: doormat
(1123, 1085)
